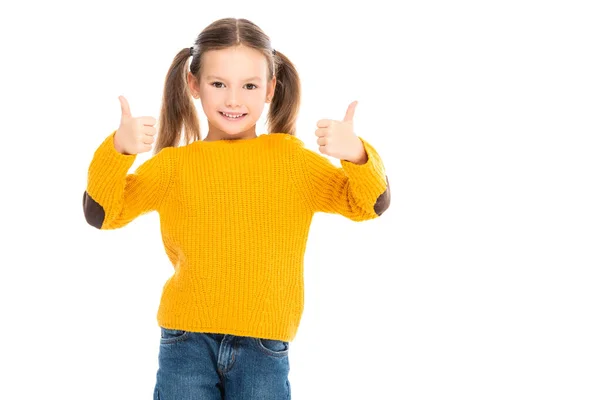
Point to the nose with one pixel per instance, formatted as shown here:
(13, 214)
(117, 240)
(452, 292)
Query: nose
(232, 98)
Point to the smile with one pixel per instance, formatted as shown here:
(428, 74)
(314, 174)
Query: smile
(232, 117)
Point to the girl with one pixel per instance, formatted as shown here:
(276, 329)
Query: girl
(235, 209)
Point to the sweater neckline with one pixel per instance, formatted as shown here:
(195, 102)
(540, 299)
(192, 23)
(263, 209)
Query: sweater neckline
(229, 141)
(235, 142)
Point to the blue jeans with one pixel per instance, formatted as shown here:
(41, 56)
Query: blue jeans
(210, 366)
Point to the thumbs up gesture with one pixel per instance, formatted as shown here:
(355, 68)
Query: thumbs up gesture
(135, 134)
(337, 138)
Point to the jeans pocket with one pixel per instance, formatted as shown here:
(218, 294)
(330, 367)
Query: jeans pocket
(273, 347)
(169, 336)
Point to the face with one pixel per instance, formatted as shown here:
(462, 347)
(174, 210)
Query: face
(233, 81)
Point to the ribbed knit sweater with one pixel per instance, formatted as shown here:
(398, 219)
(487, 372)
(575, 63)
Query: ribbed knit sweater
(234, 219)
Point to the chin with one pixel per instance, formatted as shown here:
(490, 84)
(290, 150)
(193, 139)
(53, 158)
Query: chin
(235, 131)
(229, 132)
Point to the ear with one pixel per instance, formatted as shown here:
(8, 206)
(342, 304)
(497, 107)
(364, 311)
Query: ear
(193, 84)
(271, 89)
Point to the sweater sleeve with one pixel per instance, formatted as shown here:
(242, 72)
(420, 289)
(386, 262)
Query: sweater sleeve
(113, 198)
(356, 191)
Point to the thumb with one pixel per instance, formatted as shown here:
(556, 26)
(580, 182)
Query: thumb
(350, 112)
(125, 111)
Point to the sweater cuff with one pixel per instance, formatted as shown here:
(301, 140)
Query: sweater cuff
(107, 169)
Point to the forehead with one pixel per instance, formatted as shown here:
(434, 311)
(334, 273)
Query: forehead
(237, 62)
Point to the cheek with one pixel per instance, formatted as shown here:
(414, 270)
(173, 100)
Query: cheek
(206, 92)
(259, 97)
(209, 99)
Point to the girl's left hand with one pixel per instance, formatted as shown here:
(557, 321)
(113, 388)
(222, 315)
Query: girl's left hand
(337, 138)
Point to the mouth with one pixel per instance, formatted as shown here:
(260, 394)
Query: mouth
(232, 117)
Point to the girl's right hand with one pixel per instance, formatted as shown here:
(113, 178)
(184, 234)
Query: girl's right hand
(135, 135)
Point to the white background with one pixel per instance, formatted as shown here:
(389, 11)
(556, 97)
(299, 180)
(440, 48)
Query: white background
(480, 281)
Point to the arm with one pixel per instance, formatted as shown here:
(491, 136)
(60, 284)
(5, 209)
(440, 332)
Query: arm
(358, 191)
(113, 198)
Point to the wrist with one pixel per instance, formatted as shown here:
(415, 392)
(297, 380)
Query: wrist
(360, 156)
(118, 146)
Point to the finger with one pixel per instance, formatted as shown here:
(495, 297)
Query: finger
(350, 112)
(149, 130)
(322, 141)
(125, 111)
(321, 132)
(323, 123)
(149, 121)
(148, 139)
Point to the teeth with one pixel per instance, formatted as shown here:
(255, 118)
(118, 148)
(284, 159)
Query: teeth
(232, 116)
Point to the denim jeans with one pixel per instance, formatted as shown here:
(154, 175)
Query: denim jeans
(210, 366)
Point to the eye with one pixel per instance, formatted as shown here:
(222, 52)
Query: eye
(221, 83)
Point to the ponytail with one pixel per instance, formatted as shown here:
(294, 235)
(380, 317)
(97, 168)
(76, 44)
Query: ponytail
(285, 105)
(178, 109)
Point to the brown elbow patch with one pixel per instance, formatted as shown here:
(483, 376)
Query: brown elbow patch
(93, 211)
(383, 201)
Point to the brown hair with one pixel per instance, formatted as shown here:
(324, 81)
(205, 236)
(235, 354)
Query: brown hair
(178, 109)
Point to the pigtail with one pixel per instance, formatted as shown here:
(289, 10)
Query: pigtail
(285, 105)
(178, 109)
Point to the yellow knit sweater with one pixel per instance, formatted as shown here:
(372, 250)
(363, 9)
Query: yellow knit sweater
(234, 218)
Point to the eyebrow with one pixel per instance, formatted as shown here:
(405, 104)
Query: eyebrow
(254, 78)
